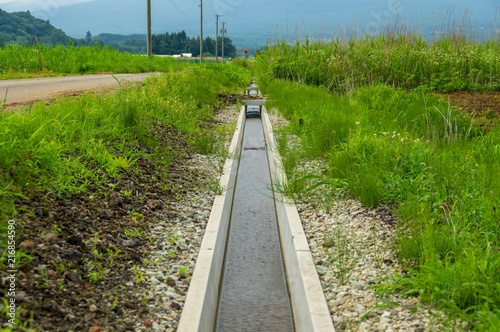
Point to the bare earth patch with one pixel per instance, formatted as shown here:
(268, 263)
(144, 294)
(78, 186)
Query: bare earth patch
(483, 105)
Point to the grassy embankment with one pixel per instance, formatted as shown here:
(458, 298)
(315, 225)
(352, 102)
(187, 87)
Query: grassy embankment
(23, 62)
(386, 141)
(90, 141)
(58, 148)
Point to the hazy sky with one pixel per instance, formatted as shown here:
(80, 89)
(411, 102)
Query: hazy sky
(33, 5)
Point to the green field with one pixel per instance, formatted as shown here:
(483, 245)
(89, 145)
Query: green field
(21, 61)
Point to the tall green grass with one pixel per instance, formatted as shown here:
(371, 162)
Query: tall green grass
(55, 146)
(79, 60)
(435, 169)
(401, 60)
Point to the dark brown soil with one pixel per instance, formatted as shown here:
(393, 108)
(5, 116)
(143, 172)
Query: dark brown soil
(484, 106)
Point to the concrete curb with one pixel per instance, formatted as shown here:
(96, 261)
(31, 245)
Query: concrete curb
(309, 306)
(202, 299)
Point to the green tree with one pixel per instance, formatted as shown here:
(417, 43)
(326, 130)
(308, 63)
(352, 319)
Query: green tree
(88, 37)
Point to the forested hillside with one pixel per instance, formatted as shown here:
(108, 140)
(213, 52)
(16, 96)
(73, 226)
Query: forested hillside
(176, 43)
(21, 28)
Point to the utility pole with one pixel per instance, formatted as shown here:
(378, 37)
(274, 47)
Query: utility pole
(149, 47)
(201, 31)
(217, 38)
(223, 32)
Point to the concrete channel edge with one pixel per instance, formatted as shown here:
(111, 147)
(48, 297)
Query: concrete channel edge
(200, 308)
(308, 301)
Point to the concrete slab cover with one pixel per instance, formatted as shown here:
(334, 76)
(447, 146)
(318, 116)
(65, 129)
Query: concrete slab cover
(254, 102)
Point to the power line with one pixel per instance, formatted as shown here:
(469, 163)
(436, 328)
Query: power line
(191, 18)
(211, 7)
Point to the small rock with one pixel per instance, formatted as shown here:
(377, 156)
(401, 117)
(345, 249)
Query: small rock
(50, 238)
(359, 308)
(96, 329)
(39, 212)
(106, 214)
(129, 284)
(130, 243)
(21, 296)
(74, 255)
(382, 326)
(186, 282)
(76, 240)
(156, 326)
(52, 274)
(320, 268)
(386, 314)
(171, 282)
(28, 244)
(175, 306)
(93, 308)
(73, 276)
(25, 312)
(154, 280)
(338, 301)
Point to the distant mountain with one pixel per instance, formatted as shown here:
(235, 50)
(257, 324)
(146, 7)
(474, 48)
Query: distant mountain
(252, 23)
(21, 28)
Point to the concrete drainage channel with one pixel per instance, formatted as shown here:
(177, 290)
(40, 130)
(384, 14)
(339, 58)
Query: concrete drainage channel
(254, 271)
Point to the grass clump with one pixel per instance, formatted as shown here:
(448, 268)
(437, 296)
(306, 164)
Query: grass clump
(401, 60)
(22, 61)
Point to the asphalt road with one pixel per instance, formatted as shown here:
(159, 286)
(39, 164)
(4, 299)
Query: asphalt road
(29, 90)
